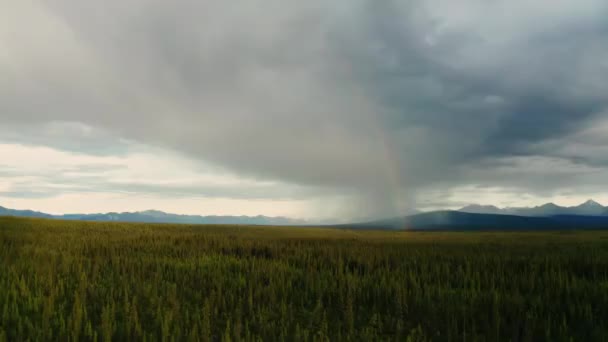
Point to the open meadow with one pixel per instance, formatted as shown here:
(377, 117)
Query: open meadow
(69, 281)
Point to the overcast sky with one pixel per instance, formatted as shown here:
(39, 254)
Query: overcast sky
(311, 109)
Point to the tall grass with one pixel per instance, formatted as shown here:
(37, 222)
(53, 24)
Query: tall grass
(69, 281)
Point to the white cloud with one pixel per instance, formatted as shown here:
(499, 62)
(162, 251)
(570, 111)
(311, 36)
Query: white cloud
(55, 181)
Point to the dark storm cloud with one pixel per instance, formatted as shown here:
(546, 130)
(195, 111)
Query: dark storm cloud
(377, 98)
(542, 89)
(537, 91)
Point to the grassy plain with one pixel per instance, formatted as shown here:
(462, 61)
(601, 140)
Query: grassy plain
(69, 281)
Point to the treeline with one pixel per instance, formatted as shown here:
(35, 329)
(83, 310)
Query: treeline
(73, 281)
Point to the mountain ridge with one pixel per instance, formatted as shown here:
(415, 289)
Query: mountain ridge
(157, 216)
(588, 208)
(588, 215)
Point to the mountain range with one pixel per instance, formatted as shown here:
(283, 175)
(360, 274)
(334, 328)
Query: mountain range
(589, 208)
(589, 215)
(155, 216)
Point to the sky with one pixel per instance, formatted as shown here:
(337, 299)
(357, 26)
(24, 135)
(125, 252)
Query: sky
(308, 109)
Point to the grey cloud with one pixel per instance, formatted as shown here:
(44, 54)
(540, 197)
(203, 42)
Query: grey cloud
(67, 136)
(95, 178)
(28, 193)
(235, 192)
(383, 100)
(168, 191)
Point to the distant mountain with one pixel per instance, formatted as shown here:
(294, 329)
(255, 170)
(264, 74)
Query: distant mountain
(589, 208)
(461, 221)
(155, 216)
(589, 215)
(25, 213)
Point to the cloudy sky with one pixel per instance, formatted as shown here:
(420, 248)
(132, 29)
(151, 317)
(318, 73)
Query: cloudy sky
(310, 109)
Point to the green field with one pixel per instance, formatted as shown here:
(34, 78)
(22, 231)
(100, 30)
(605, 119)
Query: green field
(113, 281)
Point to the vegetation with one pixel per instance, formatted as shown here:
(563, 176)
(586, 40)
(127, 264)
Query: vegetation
(73, 281)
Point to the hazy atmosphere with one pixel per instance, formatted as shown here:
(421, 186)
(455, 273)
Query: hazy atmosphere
(311, 109)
